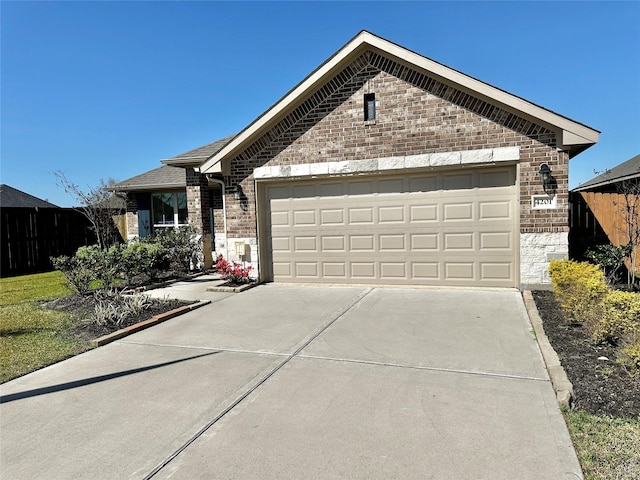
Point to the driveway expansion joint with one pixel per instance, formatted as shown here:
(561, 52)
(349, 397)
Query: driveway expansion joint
(243, 396)
(422, 367)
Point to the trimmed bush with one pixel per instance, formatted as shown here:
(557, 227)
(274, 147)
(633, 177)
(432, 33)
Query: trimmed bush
(610, 316)
(630, 355)
(183, 246)
(76, 273)
(580, 287)
(143, 258)
(620, 317)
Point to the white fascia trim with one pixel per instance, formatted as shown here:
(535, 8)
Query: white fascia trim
(489, 91)
(447, 159)
(366, 40)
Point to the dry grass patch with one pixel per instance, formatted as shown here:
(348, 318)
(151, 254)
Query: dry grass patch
(607, 447)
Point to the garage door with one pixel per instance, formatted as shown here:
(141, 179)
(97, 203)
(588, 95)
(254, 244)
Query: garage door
(446, 228)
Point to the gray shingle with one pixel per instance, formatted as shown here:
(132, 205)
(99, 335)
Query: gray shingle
(159, 178)
(12, 197)
(200, 154)
(624, 171)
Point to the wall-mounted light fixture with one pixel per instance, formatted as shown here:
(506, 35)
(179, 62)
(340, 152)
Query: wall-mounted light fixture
(545, 176)
(237, 192)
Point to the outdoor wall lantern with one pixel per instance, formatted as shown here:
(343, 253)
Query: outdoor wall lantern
(545, 176)
(237, 192)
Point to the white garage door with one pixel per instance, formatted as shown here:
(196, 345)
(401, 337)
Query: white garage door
(448, 228)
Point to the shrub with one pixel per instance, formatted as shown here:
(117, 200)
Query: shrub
(103, 263)
(630, 355)
(183, 246)
(76, 273)
(143, 258)
(620, 317)
(112, 307)
(234, 272)
(610, 258)
(580, 288)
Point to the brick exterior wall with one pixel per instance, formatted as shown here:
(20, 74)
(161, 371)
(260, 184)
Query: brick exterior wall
(198, 201)
(415, 114)
(132, 216)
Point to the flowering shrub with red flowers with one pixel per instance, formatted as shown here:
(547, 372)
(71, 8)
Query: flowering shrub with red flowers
(233, 272)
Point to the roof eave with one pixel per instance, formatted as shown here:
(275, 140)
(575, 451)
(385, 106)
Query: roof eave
(148, 187)
(603, 183)
(575, 137)
(184, 162)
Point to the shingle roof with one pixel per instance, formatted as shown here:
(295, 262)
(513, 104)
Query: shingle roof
(159, 178)
(625, 171)
(198, 155)
(12, 197)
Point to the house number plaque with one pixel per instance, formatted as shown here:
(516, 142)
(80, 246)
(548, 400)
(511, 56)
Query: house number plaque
(540, 202)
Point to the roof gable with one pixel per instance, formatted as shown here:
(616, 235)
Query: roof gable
(574, 137)
(12, 197)
(625, 171)
(198, 155)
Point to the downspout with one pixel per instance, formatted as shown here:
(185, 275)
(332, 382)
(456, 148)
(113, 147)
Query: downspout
(224, 212)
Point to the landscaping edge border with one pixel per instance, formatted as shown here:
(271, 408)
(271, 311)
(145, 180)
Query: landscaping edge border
(98, 342)
(559, 379)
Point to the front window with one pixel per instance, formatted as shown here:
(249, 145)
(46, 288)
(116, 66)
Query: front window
(169, 209)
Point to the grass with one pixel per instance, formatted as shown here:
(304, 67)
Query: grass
(30, 337)
(608, 448)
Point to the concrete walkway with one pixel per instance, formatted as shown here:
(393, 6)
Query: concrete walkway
(300, 382)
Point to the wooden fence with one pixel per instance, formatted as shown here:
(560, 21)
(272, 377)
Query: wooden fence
(600, 218)
(30, 236)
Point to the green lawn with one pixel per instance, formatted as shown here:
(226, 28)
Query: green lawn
(608, 448)
(30, 337)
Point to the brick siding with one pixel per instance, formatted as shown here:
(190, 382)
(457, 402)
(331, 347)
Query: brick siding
(415, 114)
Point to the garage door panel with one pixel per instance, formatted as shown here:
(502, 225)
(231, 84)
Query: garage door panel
(496, 271)
(459, 241)
(333, 243)
(363, 270)
(332, 216)
(495, 210)
(458, 211)
(459, 271)
(496, 240)
(359, 243)
(362, 215)
(423, 213)
(451, 228)
(424, 241)
(392, 214)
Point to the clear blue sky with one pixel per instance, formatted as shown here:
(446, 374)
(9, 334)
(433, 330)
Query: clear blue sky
(108, 89)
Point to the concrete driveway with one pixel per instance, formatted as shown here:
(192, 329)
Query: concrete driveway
(300, 382)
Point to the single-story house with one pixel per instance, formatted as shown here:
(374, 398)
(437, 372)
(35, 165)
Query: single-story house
(380, 167)
(604, 208)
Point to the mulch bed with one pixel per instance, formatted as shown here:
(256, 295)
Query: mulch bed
(601, 387)
(82, 307)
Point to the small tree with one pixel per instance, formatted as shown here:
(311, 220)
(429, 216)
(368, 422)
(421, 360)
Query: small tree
(97, 204)
(610, 258)
(629, 190)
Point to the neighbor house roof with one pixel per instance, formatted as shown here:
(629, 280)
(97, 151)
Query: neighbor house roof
(198, 155)
(572, 136)
(12, 197)
(159, 178)
(625, 171)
